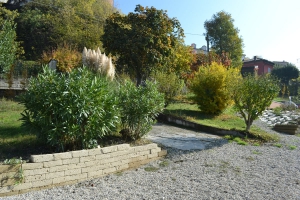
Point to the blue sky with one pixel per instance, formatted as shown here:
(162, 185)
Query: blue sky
(269, 28)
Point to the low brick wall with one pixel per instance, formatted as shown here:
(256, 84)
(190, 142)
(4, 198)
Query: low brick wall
(50, 170)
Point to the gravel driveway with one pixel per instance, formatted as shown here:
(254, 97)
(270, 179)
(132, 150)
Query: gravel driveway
(226, 171)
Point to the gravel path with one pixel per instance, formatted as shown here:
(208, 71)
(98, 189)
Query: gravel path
(227, 171)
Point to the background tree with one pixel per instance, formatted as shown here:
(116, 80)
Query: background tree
(44, 24)
(141, 40)
(253, 95)
(179, 61)
(224, 38)
(9, 47)
(285, 74)
(202, 59)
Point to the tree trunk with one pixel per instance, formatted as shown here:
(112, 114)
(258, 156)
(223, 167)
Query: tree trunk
(248, 124)
(248, 127)
(138, 78)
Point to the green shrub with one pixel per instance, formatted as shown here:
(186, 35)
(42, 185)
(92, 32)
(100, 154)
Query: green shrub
(71, 111)
(168, 84)
(139, 106)
(277, 111)
(212, 87)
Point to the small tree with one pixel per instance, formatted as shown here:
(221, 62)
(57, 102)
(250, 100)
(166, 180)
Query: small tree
(9, 47)
(253, 95)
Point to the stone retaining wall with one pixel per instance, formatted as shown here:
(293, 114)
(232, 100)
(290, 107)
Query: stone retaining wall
(49, 170)
(165, 118)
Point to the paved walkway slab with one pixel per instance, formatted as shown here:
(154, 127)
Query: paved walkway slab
(180, 138)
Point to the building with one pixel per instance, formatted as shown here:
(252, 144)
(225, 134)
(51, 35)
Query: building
(111, 2)
(203, 49)
(281, 63)
(262, 66)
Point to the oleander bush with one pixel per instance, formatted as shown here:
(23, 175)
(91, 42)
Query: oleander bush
(70, 110)
(98, 63)
(139, 106)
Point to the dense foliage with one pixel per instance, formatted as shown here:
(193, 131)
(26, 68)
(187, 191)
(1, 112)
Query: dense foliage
(212, 86)
(70, 111)
(285, 73)
(67, 57)
(44, 24)
(180, 60)
(141, 40)
(201, 59)
(139, 105)
(253, 95)
(224, 38)
(169, 84)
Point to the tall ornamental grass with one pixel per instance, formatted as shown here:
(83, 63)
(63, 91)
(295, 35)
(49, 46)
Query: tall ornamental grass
(98, 62)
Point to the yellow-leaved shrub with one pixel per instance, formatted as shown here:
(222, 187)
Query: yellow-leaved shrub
(67, 58)
(212, 86)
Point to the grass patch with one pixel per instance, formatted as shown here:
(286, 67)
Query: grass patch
(281, 99)
(277, 145)
(227, 120)
(240, 141)
(292, 147)
(151, 169)
(257, 152)
(15, 140)
(164, 163)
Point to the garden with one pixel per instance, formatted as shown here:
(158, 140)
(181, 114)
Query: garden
(91, 98)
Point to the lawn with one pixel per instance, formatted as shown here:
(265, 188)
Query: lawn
(16, 141)
(228, 120)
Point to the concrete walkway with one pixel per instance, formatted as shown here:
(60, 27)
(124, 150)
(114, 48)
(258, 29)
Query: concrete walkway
(180, 138)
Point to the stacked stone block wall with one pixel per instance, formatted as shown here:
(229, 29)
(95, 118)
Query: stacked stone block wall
(49, 170)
